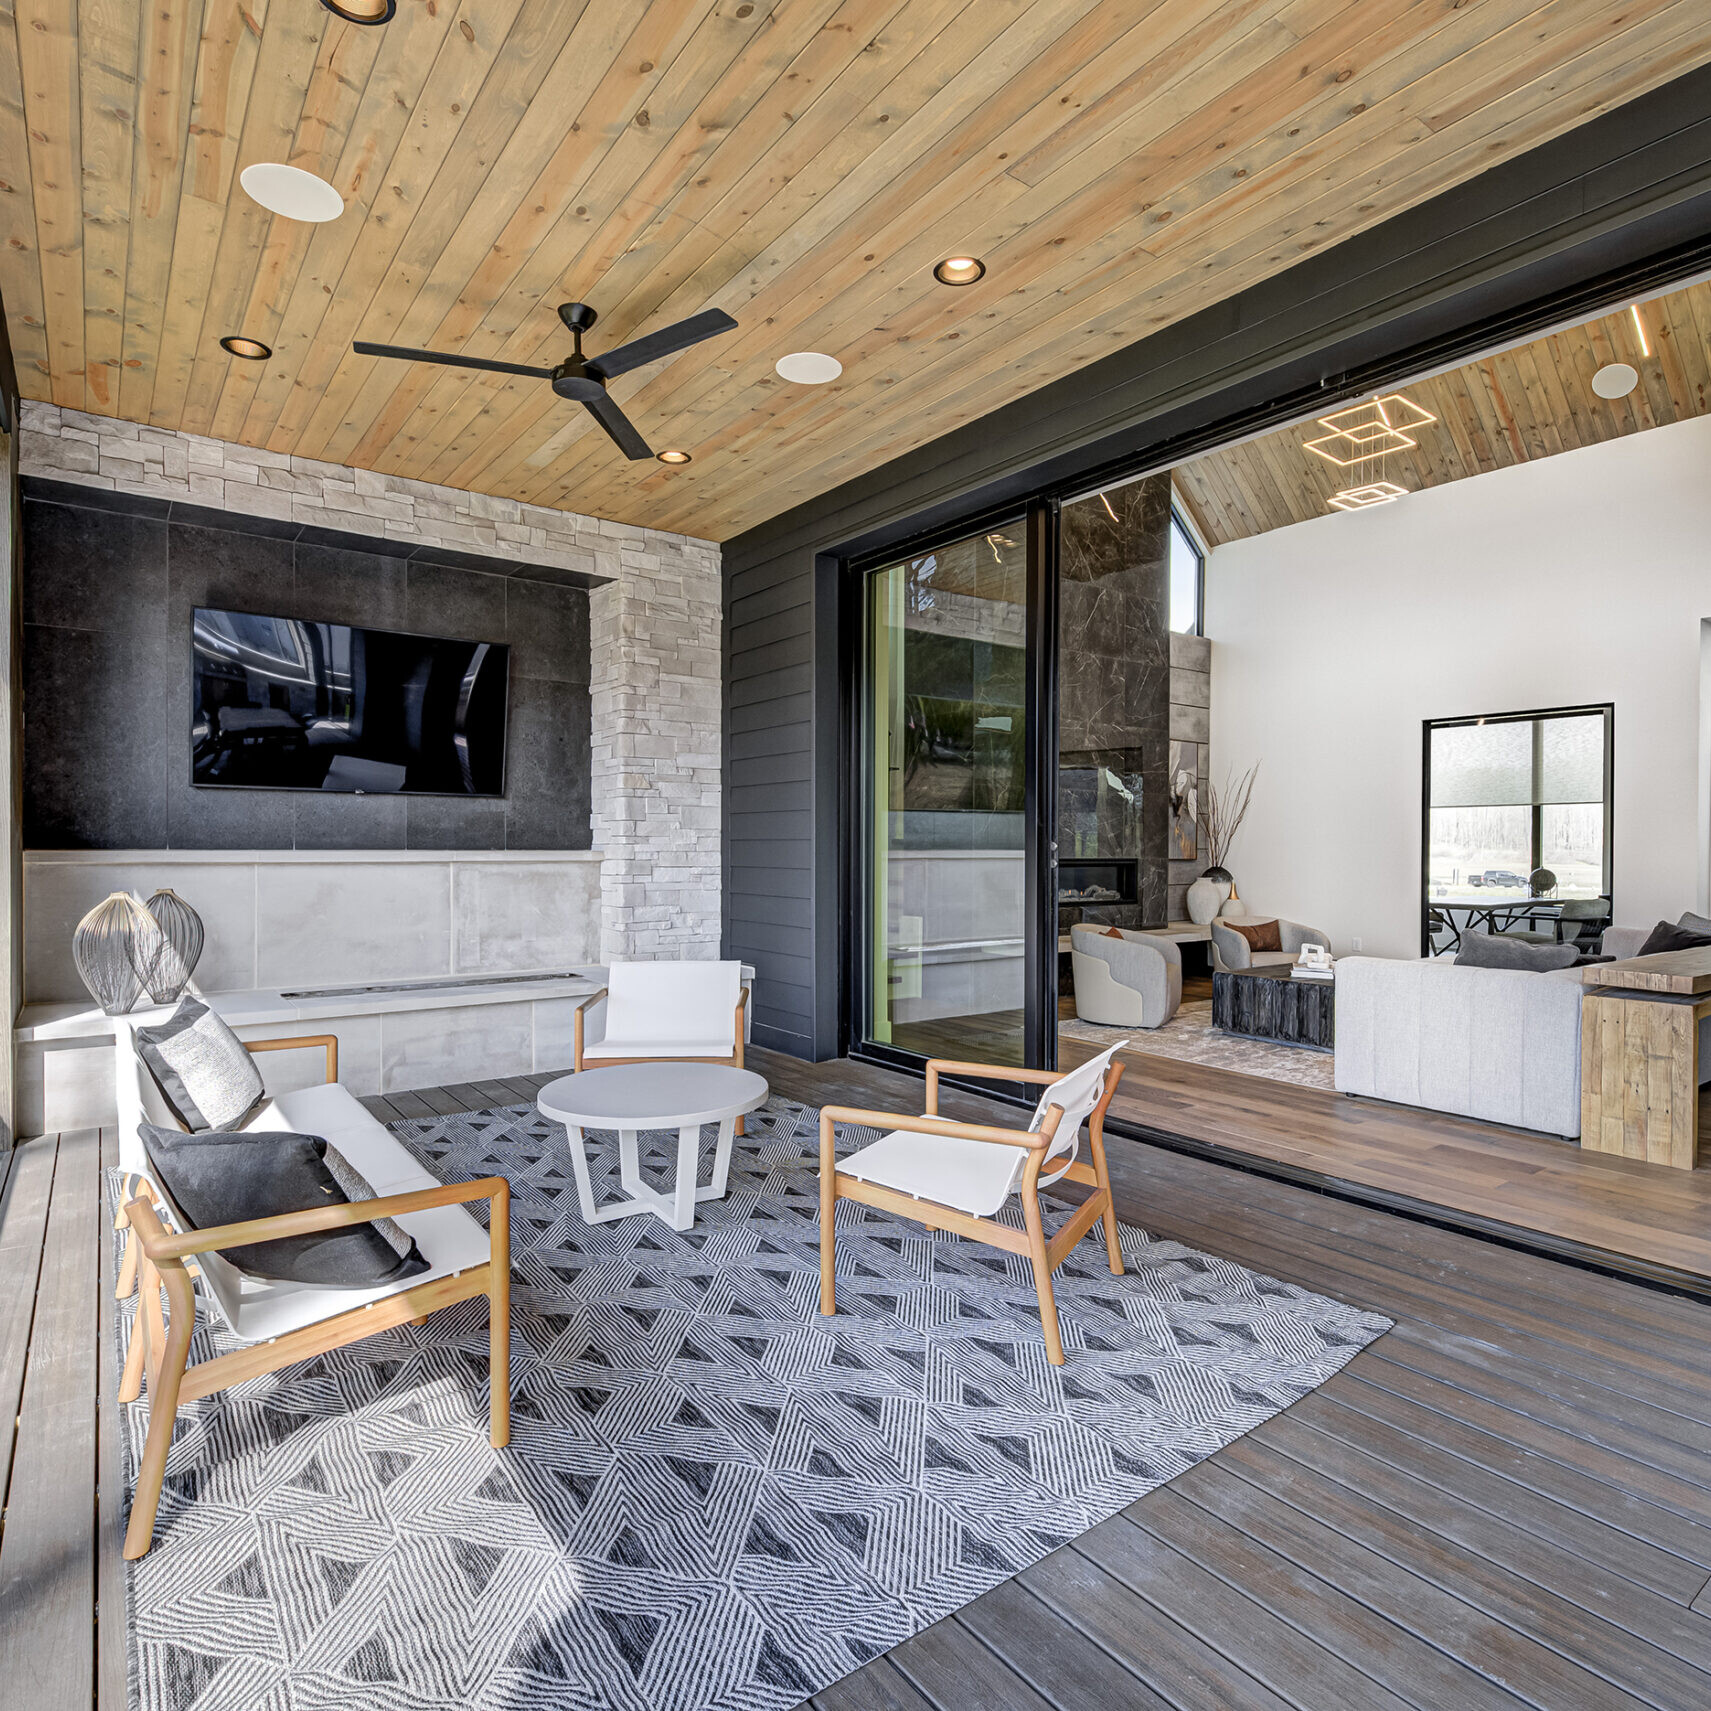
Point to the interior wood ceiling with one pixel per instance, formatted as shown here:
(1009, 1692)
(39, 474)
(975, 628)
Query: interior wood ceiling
(1530, 402)
(799, 163)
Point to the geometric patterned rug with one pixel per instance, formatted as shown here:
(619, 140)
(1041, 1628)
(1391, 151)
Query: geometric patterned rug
(713, 1496)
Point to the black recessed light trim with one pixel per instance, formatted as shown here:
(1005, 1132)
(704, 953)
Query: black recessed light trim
(961, 263)
(339, 11)
(247, 349)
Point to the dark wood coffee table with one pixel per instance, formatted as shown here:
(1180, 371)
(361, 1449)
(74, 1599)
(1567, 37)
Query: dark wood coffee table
(1267, 1004)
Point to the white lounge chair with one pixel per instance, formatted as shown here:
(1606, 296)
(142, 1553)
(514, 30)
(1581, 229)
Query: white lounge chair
(956, 1176)
(666, 1012)
(279, 1323)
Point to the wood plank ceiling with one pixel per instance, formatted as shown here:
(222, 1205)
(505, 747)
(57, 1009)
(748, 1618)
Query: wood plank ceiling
(799, 163)
(1530, 402)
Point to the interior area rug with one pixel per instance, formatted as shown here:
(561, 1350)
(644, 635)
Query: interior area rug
(713, 1496)
(1190, 1037)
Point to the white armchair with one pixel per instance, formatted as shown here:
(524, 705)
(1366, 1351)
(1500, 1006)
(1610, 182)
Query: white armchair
(1230, 951)
(666, 1012)
(1130, 982)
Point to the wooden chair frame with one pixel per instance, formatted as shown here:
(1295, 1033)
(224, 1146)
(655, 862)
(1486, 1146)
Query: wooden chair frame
(581, 1059)
(127, 1280)
(1031, 1240)
(160, 1344)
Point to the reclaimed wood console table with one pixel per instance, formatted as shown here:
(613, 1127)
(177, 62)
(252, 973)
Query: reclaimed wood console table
(1639, 1056)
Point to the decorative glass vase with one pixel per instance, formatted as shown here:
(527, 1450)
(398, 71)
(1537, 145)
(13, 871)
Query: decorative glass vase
(177, 950)
(110, 944)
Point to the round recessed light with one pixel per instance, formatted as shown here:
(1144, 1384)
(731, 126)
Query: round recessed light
(809, 368)
(290, 191)
(675, 457)
(960, 270)
(362, 11)
(251, 350)
(1615, 380)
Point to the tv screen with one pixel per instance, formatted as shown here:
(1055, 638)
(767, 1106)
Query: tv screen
(284, 704)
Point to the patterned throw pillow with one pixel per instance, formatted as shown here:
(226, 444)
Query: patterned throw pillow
(201, 1068)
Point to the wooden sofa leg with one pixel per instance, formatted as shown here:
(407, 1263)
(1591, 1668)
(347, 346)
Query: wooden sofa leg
(828, 1218)
(499, 1321)
(1042, 1277)
(127, 1269)
(163, 1407)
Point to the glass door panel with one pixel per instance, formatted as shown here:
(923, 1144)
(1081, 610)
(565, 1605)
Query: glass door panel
(944, 711)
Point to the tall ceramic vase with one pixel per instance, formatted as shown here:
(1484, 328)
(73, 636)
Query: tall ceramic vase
(116, 939)
(177, 949)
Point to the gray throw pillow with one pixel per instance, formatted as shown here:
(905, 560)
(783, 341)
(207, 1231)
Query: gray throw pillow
(1486, 950)
(201, 1068)
(1692, 923)
(221, 1178)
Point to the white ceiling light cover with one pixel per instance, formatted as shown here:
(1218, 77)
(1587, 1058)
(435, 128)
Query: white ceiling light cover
(290, 191)
(1615, 380)
(809, 368)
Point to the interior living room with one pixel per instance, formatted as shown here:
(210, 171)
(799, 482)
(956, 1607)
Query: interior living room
(858, 855)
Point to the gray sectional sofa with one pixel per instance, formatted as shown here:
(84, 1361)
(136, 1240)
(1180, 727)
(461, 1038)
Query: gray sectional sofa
(1493, 1043)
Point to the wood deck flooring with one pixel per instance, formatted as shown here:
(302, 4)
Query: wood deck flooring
(1505, 1502)
(1643, 1219)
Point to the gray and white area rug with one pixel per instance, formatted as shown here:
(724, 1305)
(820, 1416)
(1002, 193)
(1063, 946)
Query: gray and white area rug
(1190, 1037)
(713, 1496)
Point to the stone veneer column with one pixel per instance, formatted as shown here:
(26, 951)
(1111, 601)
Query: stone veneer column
(655, 641)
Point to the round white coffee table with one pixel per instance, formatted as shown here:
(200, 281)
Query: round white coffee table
(633, 1097)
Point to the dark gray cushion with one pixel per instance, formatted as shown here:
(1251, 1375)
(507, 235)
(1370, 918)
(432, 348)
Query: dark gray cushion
(1692, 923)
(201, 1068)
(221, 1178)
(1484, 950)
(1664, 937)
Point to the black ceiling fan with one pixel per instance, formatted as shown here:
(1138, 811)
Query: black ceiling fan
(584, 378)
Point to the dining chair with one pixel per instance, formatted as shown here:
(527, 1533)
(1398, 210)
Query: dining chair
(957, 1176)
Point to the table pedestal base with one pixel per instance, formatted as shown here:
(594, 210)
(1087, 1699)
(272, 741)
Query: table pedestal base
(679, 1210)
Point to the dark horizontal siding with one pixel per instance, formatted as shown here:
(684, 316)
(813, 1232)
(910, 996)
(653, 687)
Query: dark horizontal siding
(1624, 198)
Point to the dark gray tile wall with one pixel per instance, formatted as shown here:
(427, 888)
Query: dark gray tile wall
(1114, 682)
(107, 598)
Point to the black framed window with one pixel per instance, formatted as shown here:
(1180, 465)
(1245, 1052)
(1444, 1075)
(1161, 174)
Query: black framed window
(1187, 577)
(1516, 806)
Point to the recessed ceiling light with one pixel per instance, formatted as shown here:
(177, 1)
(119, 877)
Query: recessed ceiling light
(1615, 380)
(675, 457)
(290, 191)
(362, 11)
(251, 350)
(809, 368)
(960, 270)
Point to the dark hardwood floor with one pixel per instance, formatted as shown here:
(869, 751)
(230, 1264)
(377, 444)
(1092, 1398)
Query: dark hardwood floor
(1505, 1502)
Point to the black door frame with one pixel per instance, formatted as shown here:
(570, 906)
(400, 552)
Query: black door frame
(1039, 518)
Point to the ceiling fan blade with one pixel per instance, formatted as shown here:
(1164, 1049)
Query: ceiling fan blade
(409, 354)
(666, 342)
(619, 426)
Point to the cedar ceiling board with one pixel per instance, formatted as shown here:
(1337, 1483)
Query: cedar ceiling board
(1506, 409)
(1108, 157)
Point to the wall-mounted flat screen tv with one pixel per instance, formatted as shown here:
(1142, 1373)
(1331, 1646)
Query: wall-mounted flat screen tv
(286, 704)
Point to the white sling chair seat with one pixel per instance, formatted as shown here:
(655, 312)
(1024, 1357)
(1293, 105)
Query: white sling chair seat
(979, 1176)
(670, 1010)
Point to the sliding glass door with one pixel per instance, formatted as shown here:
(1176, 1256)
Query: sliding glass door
(946, 744)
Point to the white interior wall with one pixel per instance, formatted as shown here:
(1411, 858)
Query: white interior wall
(1579, 578)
